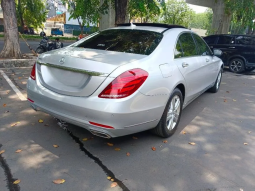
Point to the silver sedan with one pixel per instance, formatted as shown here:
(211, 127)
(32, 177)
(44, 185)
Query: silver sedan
(126, 79)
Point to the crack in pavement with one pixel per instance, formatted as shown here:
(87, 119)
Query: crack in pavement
(94, 158)
(8, 174)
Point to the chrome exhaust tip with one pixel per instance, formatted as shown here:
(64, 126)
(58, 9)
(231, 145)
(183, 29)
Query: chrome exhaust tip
(100, 134)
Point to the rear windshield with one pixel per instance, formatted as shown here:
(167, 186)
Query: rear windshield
(124, 40)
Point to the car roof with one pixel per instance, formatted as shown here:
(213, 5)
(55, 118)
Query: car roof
(156, 27)
(229, 35)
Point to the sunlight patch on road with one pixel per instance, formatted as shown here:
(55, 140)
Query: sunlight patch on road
(19, 94)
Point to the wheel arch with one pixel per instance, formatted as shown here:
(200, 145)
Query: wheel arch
(181, 87)
(237, 56)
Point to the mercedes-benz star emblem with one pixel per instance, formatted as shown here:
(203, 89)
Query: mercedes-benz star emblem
(62, 61)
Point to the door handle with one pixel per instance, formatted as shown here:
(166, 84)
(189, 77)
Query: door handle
(232, 47)
(185, 65)
(207, 60)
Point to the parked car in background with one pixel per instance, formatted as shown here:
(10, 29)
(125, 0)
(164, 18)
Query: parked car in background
(125, 79)
(238, 51)
(56, 32)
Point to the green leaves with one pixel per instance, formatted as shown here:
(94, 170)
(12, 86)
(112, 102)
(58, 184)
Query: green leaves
(31, 12)
(243, 13)
(144, 9)
(177, 12)
(86, 11)
(203, 21)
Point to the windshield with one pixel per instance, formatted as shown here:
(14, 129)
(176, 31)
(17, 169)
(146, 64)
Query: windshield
(124, 40)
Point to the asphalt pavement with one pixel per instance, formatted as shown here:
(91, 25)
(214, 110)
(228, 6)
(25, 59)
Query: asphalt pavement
(221, 126)
(24, 48)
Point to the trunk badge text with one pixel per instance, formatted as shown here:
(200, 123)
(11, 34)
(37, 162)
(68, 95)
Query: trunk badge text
(62, 61)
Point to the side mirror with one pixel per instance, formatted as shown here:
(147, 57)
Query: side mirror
(217, 52)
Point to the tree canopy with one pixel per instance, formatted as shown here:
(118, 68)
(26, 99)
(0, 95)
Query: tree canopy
(243, 14)
(31, 12)
(86, 11)
(144, 9)
(176, 12)
(202, 21)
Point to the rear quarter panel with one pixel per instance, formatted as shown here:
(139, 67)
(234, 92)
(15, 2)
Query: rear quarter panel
(160, 83)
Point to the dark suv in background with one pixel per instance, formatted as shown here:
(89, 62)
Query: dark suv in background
(238, 51)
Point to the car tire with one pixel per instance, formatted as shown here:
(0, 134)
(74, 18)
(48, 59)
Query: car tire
(236, 65)
(250, 69)
(171, 116)
(216, 85)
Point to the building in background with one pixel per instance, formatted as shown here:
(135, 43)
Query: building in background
(59, 17)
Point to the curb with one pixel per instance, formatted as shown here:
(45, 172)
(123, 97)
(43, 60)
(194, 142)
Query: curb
(17, 63)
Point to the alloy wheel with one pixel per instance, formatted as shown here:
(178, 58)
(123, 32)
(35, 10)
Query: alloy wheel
(236, 65)
(218, 80)
(173, 112)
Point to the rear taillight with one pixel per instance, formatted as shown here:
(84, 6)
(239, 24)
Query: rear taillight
(125, 84)
(32, 75)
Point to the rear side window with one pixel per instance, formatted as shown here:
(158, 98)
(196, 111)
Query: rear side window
(203, 49)
(124, 40)
(245, 40)
(226, 40)
(210, 39)
(178, 50)
(188, 45)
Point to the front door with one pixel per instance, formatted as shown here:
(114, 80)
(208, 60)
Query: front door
(208, 66)
(246, 48)
(189, 65)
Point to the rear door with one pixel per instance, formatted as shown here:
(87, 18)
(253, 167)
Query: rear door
(226, 43)
(208, 65)
(189, 65)
(246, 48)
(211, 40)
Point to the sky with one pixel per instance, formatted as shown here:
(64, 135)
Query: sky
(197, 9)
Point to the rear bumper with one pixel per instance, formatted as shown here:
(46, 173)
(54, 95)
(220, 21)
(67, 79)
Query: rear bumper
(126, 116)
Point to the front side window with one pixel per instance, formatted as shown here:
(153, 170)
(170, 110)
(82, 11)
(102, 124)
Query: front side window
(226, 40)
(124, 40)
(188, 45)
(203, 49)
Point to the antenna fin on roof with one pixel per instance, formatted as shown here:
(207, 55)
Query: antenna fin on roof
(132, 25)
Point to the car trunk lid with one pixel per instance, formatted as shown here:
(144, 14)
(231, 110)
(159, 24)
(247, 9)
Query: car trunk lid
(77, 71)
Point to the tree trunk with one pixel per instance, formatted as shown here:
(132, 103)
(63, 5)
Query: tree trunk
(221, 21)
(21, 17)
(11, 37)
(120, 11)
(81, 26)
(81, 29)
